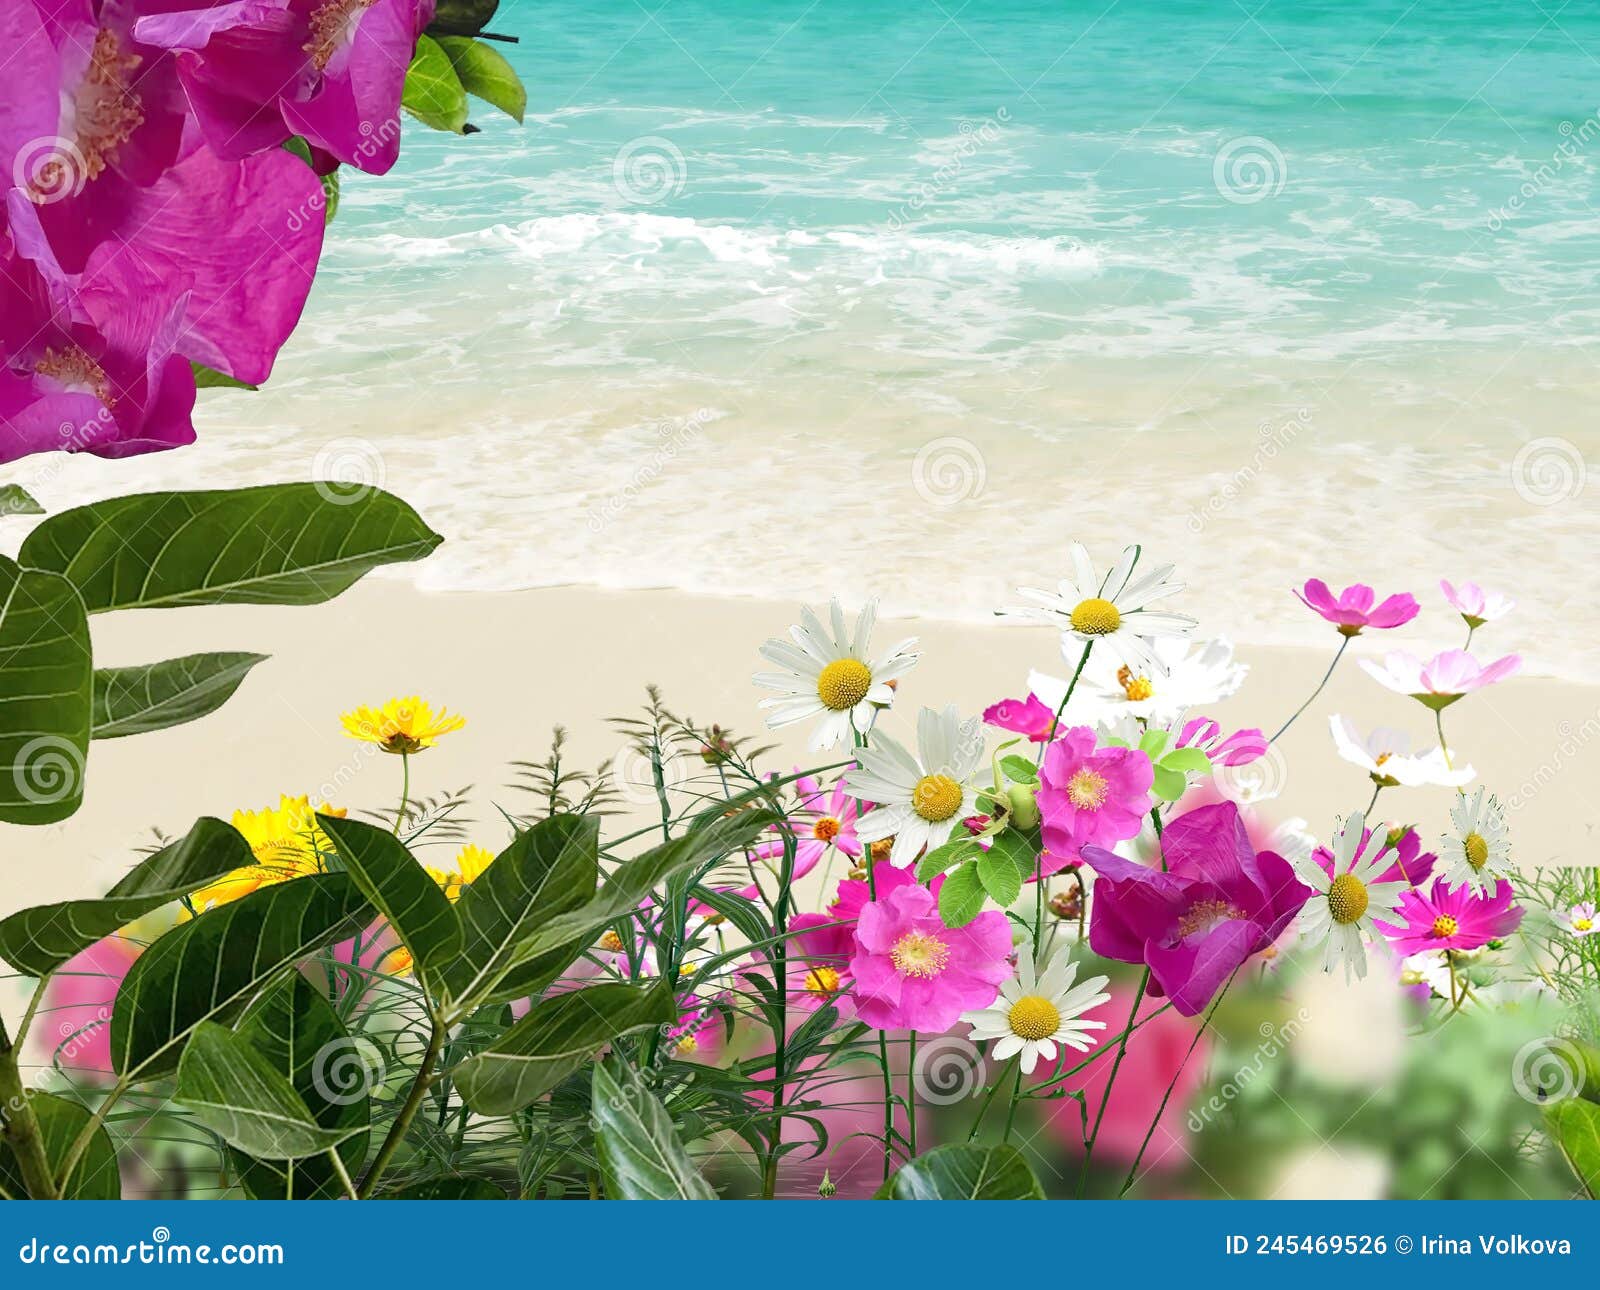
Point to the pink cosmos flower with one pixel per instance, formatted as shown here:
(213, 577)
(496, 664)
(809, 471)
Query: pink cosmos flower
(1030, 716)
(1581, 920)
(1446, 919)
(1090, 795)
(1408, 862)
(1238, 749)
(1441, 680)
(73, 1028)
(1352, 610)
(1475, 604)
(331, 71)
(1219, 902)
(817, 964)
(911, 972)
(825, 818)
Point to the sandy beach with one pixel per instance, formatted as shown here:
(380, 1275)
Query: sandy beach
(516, 664)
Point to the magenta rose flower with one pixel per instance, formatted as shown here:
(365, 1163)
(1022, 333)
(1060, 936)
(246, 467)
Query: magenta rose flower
(331, 71)
(1446, 919)
(1090, 795)
(910, 971)
(1352, 609)
(1219, 902)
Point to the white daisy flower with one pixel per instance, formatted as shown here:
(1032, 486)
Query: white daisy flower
(1035, 1013)
(920, 799)
(1345, 905)
(1112, 610)
(1581, 920)
(1190, 674)
(1479, 854)
(827, 673)
(1386, 756)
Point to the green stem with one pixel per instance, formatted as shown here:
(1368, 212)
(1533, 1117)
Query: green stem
(344, 1175)
(407, 1112)
(1016, 1100)
(19, 1127)
(405, 792)
(80, 1144)
(1343, 643)
(1111, 1079)
(1376, 789)
(1055, 721)
(1438, 725)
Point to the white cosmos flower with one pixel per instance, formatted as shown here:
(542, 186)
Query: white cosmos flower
(1034, 1013)
(1345, 905)
(1113, 610)
(830, 673)
(1189, 674)
(1386, 756)
(920, 799)
(1479, 854)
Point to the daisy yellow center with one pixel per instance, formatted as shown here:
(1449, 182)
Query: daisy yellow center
(1137, 688)
(826, 829)
(1347, 898)
(822, 980)
(1033, 1017)
(844, 683)
(1087, 790)
(1444, 925)
(1476, 847)
(919, 954)
(1096, 617)
(936, 798)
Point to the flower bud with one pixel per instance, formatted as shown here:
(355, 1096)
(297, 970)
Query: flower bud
(1024, 807)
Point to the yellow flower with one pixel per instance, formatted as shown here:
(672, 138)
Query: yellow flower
(397, 962)
(469, 866)
(401, 725)
(285, 841)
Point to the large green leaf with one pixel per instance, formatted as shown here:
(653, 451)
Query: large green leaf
(558, 1037)
(964, 1172)
(282, 544)
(632, 881)
(46, 678)
(136, 700)
(17, 500)
(239, 1095)
(547, 870)
(433, 92)
(211, 968)
(60, 1123)
(1575, 1125)
(403, 892)
(483, 71)
(641, 1155)
(39, 940)
(463, 17)
(296, 1029)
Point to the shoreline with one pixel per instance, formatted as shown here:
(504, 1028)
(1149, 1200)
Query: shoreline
(515, 664)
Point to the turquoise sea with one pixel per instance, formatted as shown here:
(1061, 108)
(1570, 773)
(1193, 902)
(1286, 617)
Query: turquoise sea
(897, 297)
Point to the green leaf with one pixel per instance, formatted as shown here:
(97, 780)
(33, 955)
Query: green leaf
(1575, 1125)
(236, 1093)
(961, 897)
(433, 92)
(484, 71)
(208, 378)
(1020, 770)
(935, 862)
(210, 969)
(558, 1037)
(136, 700)
(964, 1172)
(448, 1189)
(294, 1027)
(401, 890)
(1168, 785)
(17, 500)
(330, 197)
(746, 916)
(1192, 761)
(1152, 743)
(463, 17)
(283, 544)
(1021, 847)
(703, 845)
(39, 940)
(60, 1123)
(998, 874)
(641, 1155)
(547, 870)
(46, 679)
